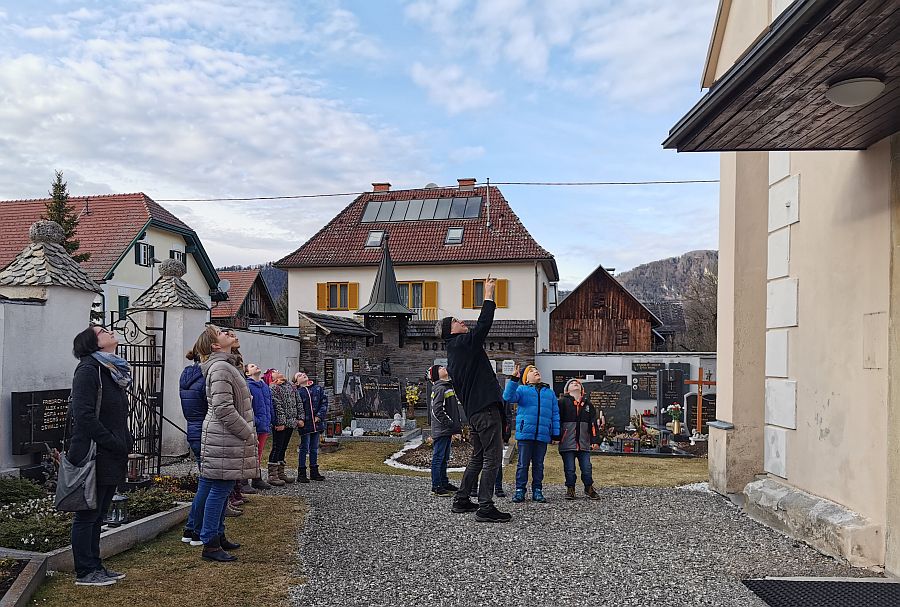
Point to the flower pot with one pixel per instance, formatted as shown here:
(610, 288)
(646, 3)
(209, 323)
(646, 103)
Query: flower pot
(676, 427)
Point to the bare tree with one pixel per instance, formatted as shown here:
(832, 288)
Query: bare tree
(700, 311)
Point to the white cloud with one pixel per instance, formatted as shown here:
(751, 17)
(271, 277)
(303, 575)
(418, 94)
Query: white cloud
(466, 153)
(451, 88)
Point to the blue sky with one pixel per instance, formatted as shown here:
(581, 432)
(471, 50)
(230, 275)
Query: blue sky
(196, 98)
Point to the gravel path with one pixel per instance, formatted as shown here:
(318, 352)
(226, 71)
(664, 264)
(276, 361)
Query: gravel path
(383, 540)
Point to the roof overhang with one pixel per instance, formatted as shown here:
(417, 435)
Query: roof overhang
(773, 98)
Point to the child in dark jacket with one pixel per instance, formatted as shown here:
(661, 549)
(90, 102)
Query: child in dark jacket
(263, 412)
(445, 422)
(537, 424)
(313, 407)
(580, 434)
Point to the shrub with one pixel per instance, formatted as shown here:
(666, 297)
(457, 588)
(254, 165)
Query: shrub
(145, 502)
(34, 525)
(14, 490)
(177, 485)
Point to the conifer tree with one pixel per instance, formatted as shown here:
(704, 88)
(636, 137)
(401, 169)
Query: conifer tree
(59, 210)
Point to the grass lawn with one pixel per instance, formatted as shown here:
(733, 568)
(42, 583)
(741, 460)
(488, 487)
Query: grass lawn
(168, 573)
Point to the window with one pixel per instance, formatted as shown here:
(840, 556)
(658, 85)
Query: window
(478, 293)
(337, 296)
(454, 236)
(124, 302)
(473, 293)
(253, 303)
(176, 255)
(143, 254)
(412, 294)
(598, 300)
(554, 295)
(573, 337)
(375, 238)
(623, 337)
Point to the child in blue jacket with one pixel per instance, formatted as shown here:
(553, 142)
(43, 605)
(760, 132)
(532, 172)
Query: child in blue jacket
(537, 424)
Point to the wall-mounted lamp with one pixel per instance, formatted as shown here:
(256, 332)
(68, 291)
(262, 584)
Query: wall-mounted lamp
(854, 91)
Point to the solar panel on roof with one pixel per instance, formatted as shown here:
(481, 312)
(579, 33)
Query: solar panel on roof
(371, 211)
(473, 206)
(458, 208)
(415, 208)
(384, 213)
(443, 208)
(399, 210)
(428, 207)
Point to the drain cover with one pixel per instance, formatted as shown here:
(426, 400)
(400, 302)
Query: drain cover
(825, 593)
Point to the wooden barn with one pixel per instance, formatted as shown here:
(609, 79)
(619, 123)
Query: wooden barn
(600, 315)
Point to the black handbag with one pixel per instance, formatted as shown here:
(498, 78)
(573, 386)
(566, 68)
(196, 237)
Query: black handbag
(76, 484)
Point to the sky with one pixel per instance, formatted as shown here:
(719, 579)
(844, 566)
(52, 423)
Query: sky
(238, 98)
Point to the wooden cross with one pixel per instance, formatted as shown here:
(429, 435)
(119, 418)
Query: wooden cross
(700, 382)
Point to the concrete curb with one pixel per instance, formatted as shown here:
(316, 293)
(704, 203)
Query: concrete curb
(30, 578)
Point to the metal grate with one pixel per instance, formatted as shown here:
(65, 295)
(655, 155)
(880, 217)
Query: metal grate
(825, 593)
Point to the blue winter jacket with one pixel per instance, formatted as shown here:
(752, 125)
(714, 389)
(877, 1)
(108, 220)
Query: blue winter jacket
(313, 403)
(192, 388)
(263, 410)
(538, 414)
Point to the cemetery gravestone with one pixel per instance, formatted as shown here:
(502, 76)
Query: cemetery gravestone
(39, 420)
(612, 399)
(670, 390)
(643, 386)
(560, 378)
(616, 379)
(709, 412)
(685, 368)
(645, 366)
(372, 395)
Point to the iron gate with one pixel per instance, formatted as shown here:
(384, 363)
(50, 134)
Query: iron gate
(145, 350)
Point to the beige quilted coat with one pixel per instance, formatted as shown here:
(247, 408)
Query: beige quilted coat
(228, 447)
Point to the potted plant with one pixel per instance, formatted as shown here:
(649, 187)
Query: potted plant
(675, 411)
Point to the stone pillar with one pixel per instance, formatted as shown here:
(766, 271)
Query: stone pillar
(736, 440)
(183, 327)
(892, 525)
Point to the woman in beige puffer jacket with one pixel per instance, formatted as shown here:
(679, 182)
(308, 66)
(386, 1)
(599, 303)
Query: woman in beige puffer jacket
(228, 444)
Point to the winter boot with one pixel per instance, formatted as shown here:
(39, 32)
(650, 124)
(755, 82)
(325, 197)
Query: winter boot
(246, 487)
(274, 481)
(283, 476)
(259, 484)
(538, 496)
(590, 492)
(570, 493)
(213, 552)
(301, 475)
(226, 544)
(314, 474)
(519, 496)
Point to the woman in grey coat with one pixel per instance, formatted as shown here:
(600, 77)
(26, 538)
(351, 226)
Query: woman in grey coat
(228, 444)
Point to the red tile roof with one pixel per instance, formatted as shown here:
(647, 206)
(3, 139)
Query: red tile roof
(106, 227)
(241, 283)
(342, 241)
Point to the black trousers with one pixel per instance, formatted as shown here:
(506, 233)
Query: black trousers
(487, 455)
(280, 440)
(86, 532)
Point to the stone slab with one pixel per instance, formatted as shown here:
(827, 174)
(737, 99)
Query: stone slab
(775, 451)
(30, 578)
(781, 403)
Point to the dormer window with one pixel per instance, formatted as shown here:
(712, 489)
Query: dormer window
(375, 238)
(454, 236)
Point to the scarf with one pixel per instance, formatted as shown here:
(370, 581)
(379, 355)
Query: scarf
(116, 365)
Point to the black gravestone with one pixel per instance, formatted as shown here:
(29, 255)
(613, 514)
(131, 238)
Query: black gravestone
(708, 415)
(616, 379)
(646, 366)
(670, 391)
(372, 395)
(643, 386)
(612, 399)
(560, 377)
(39, 418)
(685, 369)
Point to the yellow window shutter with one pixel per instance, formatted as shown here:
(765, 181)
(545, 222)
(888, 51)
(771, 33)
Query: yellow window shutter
(468, 294)
(322, 296)
(501, 297)
(430, 294)
(353, 295)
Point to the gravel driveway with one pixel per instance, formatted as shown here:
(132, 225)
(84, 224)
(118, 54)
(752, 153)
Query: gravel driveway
(383, 540)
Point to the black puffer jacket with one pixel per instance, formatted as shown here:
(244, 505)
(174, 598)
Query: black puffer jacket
(473, 376)
(109, 430)
(577, 424)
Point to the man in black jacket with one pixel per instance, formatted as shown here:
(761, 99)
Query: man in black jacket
(479, 392)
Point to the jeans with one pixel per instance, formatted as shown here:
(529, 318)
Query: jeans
(531, 452)
(439, 461)
(280, 440)
(487, 455)
(584, 462)
(213, 494)
(309, 443)
(86, 533)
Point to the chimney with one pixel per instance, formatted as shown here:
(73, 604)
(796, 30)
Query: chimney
(466, 184)
(381, 187)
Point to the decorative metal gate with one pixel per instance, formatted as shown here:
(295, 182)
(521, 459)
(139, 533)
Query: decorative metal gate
(145, 350)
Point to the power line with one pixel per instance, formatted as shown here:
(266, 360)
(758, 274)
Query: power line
(522, 183)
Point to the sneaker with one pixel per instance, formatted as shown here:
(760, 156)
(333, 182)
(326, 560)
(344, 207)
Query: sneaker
(570, 493)
(519, 496)
(186, 536)
(95, 578)
(113, 574)
(490, 514)
(451, 487)
(441, 492)
(538, 496)
(499, 492)
(463, 506)
(195, 540)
